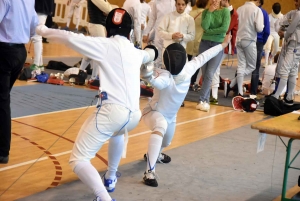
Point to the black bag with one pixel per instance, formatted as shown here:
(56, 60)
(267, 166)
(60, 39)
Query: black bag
(25, 74)
(57, 65)
(275, 107)
(80, 78)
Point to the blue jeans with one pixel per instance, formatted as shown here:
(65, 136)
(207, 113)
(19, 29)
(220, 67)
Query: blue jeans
(208, 69)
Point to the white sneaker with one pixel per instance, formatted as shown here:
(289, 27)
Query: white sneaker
(203, 106)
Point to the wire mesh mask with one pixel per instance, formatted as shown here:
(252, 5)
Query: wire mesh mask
(174, 58)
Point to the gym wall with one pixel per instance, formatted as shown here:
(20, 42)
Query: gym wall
(286, 5)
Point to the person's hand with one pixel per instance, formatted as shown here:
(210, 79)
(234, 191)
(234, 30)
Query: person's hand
(213, 6)
(142, 27)
(145, 39)
(176, 36)
(227, 40)
(281, 34)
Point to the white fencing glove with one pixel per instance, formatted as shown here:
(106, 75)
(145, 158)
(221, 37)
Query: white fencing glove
(147, 70)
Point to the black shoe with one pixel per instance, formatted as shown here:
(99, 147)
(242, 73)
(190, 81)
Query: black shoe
(45, 40)
(288, 102)
(162, 158)
(4, 159)
(150, 179)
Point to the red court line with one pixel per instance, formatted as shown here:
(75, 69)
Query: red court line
(55, 162)
(98, 156)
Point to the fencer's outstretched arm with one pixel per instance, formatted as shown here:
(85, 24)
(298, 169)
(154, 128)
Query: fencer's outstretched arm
(159, 80)
(92, 47)
(197, 62)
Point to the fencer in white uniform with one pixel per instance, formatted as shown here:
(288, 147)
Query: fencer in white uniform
(145, 13)
(170, 88)
(159, 9)
(118, 108)
(274, 37)
(74, 7)
(287, 67)
(134, 8)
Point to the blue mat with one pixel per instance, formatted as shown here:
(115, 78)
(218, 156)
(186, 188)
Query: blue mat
(42, 98)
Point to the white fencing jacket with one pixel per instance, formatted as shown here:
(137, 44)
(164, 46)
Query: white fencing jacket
(168, 93)
(251, 22)
(176, 22)
(120, 63)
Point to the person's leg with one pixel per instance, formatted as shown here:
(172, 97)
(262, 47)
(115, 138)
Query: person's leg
(216, 81)
(255, 73)
(116, 148)
(158, 124)
(77, 16)
(251, 57)
(267, 49)
(71, 9)
(12, 60)
(37, 43)
(96, 130)
(285, 69)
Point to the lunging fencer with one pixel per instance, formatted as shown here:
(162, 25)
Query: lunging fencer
(170, 88)
(118, 108)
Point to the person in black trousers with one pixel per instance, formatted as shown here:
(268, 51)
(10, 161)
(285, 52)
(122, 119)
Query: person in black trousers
(22, 20)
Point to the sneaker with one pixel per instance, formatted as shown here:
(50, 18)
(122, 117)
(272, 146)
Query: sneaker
(213, 101)
(110, 184)
(203, 106)
(227, 89)
(65, 28)
(286, 101)
(98, 199)
(150, 178)
(162, 158)
(195, 87)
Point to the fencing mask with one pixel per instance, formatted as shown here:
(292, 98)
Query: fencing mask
(119, 22)
(174, 58)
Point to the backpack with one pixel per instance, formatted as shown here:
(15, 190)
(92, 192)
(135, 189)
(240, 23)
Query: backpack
(79, 78)
(25, 74)
(275, 107)
(57, 65)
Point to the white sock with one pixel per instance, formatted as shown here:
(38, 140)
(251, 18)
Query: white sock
(68, 22)
(267, 57)
(281, 86)
(115, 150)
(233, 82)
(240, 81)
(77, 23)
(154, 146)
(214, 92)
(38, 50)
(84, 64)
(291, 87)
(90, 177)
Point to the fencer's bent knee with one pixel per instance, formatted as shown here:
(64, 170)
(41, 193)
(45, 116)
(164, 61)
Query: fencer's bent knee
(160, 125)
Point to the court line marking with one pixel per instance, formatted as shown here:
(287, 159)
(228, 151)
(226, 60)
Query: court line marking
(131, 136)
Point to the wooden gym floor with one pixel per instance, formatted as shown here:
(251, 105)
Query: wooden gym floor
(39, 158)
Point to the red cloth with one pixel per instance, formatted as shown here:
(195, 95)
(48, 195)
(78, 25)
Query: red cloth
(233, 27)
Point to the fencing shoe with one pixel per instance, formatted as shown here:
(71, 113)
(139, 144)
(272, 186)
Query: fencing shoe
(110, 184)
(162, 158)
(150, 178)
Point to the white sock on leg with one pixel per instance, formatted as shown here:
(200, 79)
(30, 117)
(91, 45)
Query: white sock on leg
(87, 173)
(115, 150)
(154, 148)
